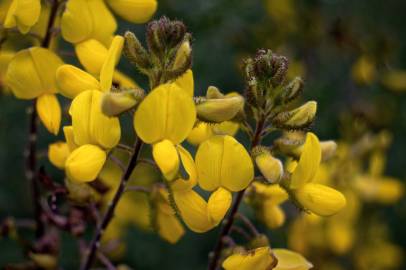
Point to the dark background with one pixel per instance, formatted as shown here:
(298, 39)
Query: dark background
(328, 38)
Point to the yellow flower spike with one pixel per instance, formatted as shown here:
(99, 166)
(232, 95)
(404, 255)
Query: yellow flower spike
(218, 205)
(189, 165)
(289, 260)
(85, 163)
(72, 81)
(23, 14)
(87, 19)
(186, 82)
(135, 11)
(201, 132)
(49, 111)
(58, 153)
(90, 125)
(70, 138)
(222, 161)
(91, 54)
(258, 259)
(319, 199)
(167, 158)
(113, 56)
(193, 209)
(309, 162)
(31, 73)
(171, 110)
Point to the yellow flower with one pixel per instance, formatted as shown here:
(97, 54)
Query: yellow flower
(135, 11)
(31, 74)
(203, 131)
(87, 19)
(91, 54)
(319, 199)
(58, 153)
(90, 125)
(289, 260)
(85, 163)
(23, 14)
(222, 161)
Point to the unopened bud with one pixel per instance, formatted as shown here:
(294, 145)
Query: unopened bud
(135, 52)
(270, 167)
(328, 149)
(219, 110)
(183, 55)
(213, 92)
(289, 147)
(292, 90)
(113, 104)
(298, 118)
(45, 261)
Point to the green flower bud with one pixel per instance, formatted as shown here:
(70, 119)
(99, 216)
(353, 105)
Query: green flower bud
(219, 110)
(298, 118)
(114, 104)
(136, 53)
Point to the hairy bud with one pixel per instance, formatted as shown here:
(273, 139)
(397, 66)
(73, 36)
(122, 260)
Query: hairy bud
(292, 90)
(136, 53)
(298, 118)
(113, 104)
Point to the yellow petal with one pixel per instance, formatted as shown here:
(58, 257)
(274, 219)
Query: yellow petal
(193, 209)
(272, 215)
(201, 132)
(223, 161)
(258, 259)
(218, 205)
(135, 11)
(309, 162)
(186, 82)
(90, 125)
(58, 153)
(91, 54)
(270, 167)
(72, 81)
(23, 14)
(85, 163)
(70, 138)
(289, 260)
(87, 19)
(31, 73)
(190, 167)
(167, 158)
(226, 128)
(171, 110)
(169, 227)
(49, 111)
(113, 56)
(320, 199)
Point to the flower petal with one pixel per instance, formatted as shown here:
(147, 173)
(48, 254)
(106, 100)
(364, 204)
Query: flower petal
(289, 260)
(135, 11)
(218, 205)
(167, 158)
(258, 259)
(92, 54)
(72, 81)
(49, 111)
(113, 56)
(58, 153)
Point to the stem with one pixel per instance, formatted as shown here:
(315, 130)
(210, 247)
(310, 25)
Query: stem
(95, 243)
(234, 209)
(31, 160)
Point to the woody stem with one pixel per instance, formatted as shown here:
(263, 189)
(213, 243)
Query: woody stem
(225, 231)
(108, 216)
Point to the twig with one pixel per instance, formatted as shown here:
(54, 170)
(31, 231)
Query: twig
(242, 232)
(234, 209)
(109, 265)
(248, 224)
(95, 243)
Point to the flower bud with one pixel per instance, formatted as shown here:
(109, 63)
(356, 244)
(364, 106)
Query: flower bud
(219, 110)
(113, 104)
(213, 93)
(270, 167)
(298, 118)
(136, 53)
(320, 199)
(44, 261)
(183, 55)
(293, 90)
(328, 149)
(49, 111)
(85, 163)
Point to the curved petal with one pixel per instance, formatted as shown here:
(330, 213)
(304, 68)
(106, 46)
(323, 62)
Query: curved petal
(258, 259)
(23, 14)
(90, 125)
(218, 205)
(72, 81)
(113, 56)
(49, 111)
(92, 54)
(186, 82)
(167, 158)
(201, 132)
(85, 163)
(58, 153)
(223, 161)
(289, 260)
(309, 162)
(135, 11)
(171, 110)
(190, 167)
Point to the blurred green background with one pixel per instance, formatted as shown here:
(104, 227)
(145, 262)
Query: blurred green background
(323, 40)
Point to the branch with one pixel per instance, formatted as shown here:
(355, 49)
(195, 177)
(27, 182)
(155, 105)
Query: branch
(108, 216)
